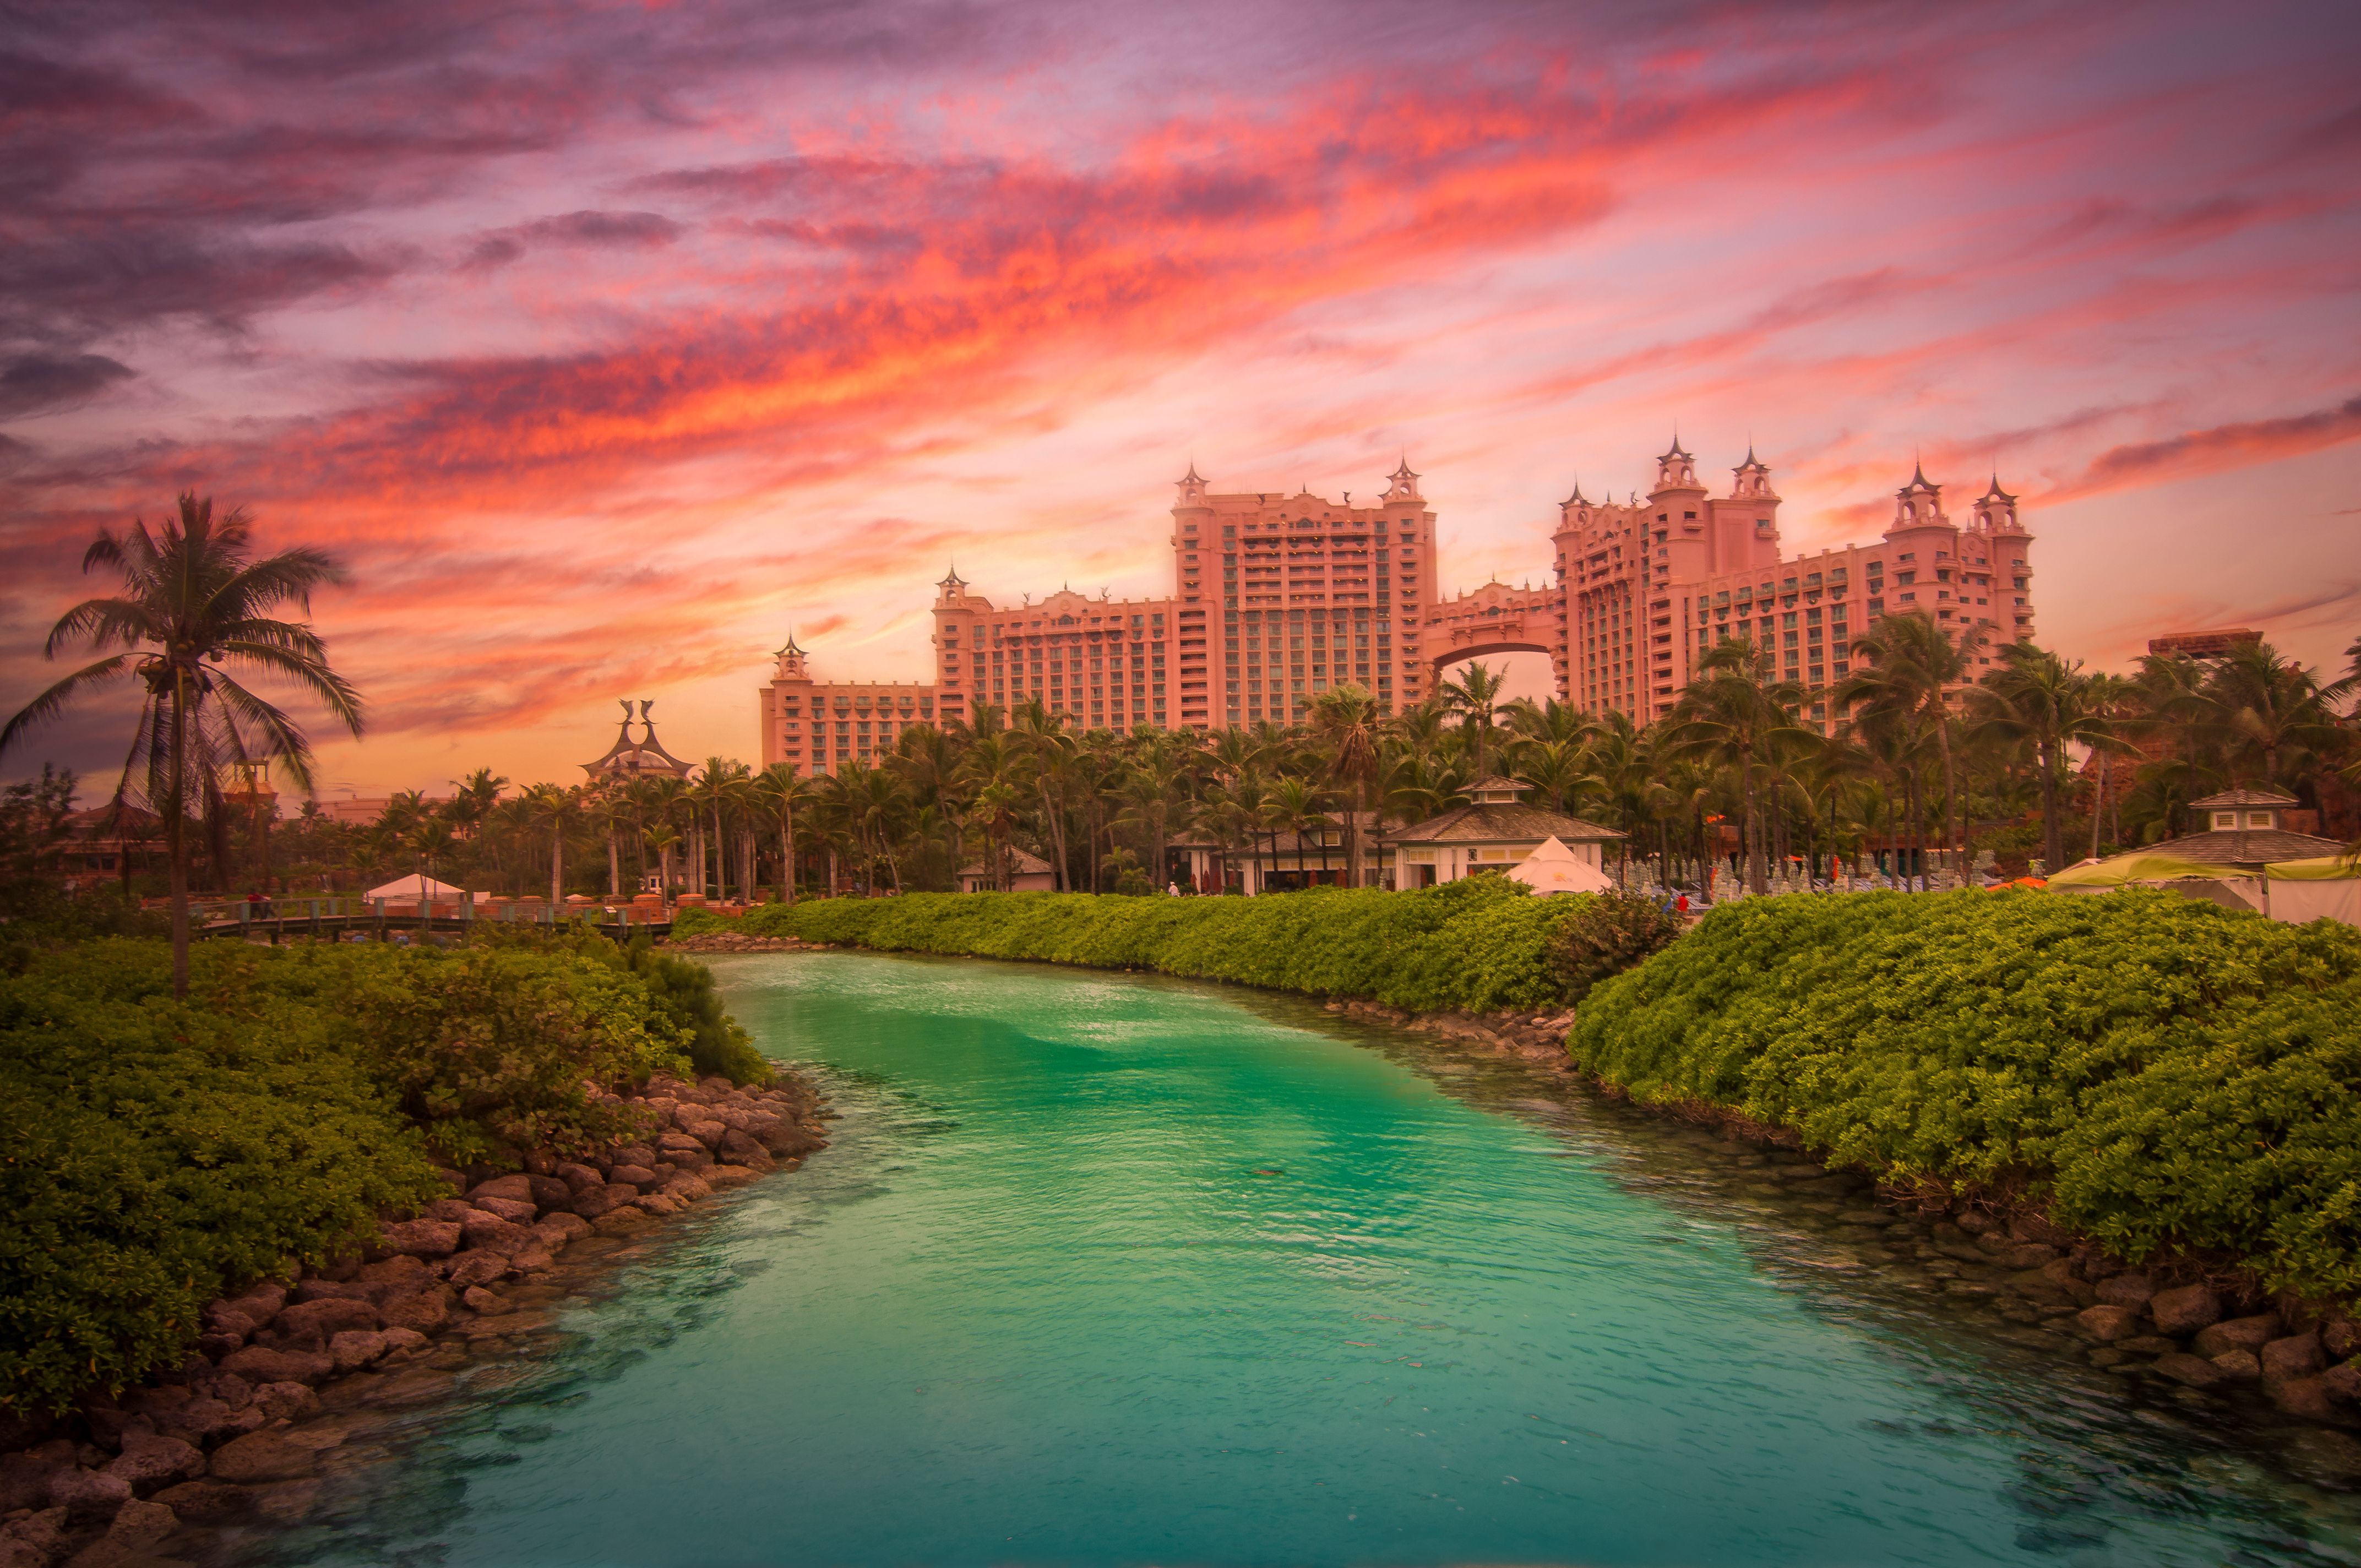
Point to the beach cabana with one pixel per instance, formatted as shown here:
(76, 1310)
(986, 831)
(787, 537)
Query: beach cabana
(407, 890)
(2326, 887)
(1553, 868)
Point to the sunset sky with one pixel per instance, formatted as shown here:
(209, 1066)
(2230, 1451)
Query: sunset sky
(607, 343)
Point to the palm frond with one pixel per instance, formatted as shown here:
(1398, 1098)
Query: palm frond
(46, 706)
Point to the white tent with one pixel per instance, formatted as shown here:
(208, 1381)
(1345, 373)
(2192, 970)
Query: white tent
(1553, 868)
(408, 888)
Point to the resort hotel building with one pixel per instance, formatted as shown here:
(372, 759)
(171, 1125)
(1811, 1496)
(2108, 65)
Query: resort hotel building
(1279, 597)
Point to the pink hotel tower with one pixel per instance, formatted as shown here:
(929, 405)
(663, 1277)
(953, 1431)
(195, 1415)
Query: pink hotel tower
(1277, 599)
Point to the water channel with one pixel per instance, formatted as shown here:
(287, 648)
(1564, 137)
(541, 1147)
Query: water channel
(1112, 1269)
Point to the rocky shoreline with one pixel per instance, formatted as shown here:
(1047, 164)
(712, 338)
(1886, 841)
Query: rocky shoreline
(739, 942)
(241, 1437)
(2193, 1325)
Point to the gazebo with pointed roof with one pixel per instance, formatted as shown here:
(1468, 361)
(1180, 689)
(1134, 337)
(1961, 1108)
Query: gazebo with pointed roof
(1494, 831)
(645, 757)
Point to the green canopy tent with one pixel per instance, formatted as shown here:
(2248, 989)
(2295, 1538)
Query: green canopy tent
(2326, 887)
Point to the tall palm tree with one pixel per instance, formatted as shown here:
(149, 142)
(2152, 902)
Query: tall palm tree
(1344, 719)
(195, 607)
(2043, 701)
(554, 806)
(780, 788)
(1912, 664)
(1732, 714)
(1475, 698)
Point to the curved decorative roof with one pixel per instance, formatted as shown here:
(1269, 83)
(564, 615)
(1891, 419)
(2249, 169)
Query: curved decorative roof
(643, 758)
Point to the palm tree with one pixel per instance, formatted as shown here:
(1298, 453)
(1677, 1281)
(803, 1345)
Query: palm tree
(1913, 665)
(553, 806)
(2041, 700)
(1732, 714)
(429, 838)
(195, 607)
(1345, 720)
(781, 788)
(1475, 698)
(2269, 711)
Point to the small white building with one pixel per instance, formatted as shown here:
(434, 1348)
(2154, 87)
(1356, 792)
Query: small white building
(1494, 831)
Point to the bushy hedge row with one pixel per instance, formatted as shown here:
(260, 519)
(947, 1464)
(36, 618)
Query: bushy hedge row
(2161, 1071)
(155, 1154)
(1479, 946)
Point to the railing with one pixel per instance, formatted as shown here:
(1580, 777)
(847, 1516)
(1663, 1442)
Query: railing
(327, 915)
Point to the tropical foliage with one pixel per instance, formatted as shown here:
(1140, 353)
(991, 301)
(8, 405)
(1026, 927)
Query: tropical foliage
(161, 1153)
(2158, 1071)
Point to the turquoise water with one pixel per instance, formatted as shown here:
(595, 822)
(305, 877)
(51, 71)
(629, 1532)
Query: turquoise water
(1108, 1269)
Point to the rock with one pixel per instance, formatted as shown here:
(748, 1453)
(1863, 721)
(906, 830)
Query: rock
(421, 1238)
(557, 1230)
(2341, 1338)
(140, 1525)
(260, 1456)
(2238, 1365)
(206, 1502)
(2126, 1290)
(509, 1189)
(88, 1497)
(288, 1401)
(2237, 1333)
(404, 1342)
(311, 1323)
(2026, 1227)
(621, 1222)
(2185, 1309)
(1975, 1224)
(642, 1154)
(485, 1303)
(2024, 1255)
(149, 1463)
(657, 1204)
(37, 1537)
(533, 1259)
(395, 1276)
(689, 1188)
(2061, 1273)
(2296, 1356)
(739, 1149)
(2343, 1382)
(490, 1232)
(550, 1192)
(2194, 1370)
(24, 1481)
(206, 1420)
(356, 1348)
(352, 1289)
(729, 1175)
(637, 1176)
(452, 1210)
(516, 1211)
(579, 1179)
(2104, 1323)
(424, 1313)
(605, 1198)
(2148, 1344)
(476, 1267)
(2303, 1397)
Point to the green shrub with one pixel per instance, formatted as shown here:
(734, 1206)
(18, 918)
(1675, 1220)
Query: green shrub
(1611, 933)
(691, 922)
(155, 1154)
(685, 991)
(2161, 1071)
(1480, 944)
